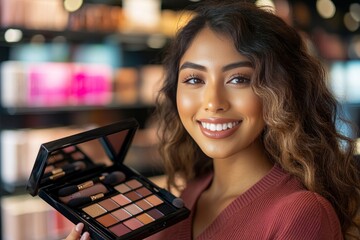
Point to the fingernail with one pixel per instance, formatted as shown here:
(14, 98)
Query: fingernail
(85, 236)
(79, 227)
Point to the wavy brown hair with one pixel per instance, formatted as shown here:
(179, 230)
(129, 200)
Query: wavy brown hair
(300, 112)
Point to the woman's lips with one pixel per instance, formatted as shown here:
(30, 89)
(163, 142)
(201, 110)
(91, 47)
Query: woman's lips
(219, 128)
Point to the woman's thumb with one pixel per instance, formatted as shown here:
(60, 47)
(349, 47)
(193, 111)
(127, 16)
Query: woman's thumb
(75, 232)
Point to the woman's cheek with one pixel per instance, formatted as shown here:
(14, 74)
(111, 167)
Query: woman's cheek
(185, 102)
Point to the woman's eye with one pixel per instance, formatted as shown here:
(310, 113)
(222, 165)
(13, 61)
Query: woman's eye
(239, 80)
(193, 80)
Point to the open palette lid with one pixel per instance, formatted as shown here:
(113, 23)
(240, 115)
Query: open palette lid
(78, 154)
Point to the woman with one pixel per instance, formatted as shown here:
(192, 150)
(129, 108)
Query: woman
(248, 122)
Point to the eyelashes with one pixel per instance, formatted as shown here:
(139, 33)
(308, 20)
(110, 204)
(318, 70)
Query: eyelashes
(192, 79)
(239, 79)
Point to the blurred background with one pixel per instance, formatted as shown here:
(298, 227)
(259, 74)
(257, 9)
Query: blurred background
(70, 65)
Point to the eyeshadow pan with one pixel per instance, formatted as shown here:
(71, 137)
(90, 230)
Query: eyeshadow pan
(122, 188)
(108, 204)
(107, 220)
(121, 199)
(154, 200)
(119, 229)
(133, 209)
(143, 191)
(145, 218)
(94, 210)
(154, 213)
(165, 209)
(133, 196)
(121, 214)
(133, 223)
(133, 183)
(143, 204)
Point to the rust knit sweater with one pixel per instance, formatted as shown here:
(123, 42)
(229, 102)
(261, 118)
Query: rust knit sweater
(276, 207)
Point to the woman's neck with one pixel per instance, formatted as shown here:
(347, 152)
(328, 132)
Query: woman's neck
(235, 175)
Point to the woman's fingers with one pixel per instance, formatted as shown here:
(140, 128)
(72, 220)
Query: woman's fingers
(85, 236)
(75, 233)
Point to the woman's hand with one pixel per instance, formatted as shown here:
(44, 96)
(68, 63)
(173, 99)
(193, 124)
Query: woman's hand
(75, 233)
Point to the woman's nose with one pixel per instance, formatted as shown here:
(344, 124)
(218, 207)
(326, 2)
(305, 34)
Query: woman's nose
(215, 99)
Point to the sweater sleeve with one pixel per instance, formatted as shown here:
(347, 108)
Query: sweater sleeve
(306, 215)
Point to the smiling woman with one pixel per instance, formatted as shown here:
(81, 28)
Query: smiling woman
(247, 120)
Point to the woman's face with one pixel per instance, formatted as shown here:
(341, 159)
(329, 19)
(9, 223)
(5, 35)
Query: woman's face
(216, 103)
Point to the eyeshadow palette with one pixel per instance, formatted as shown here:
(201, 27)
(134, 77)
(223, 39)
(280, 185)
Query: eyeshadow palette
(84, 177)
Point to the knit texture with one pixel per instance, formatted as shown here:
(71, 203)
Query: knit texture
(276, 207)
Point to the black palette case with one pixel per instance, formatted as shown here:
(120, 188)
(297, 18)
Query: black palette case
(84, 178)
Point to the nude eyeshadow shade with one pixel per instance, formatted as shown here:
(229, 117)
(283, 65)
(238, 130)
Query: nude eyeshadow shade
(94, 210)
(108, 204)
(122, 188)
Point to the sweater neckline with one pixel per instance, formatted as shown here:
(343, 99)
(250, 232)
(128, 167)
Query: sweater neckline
(273, 177)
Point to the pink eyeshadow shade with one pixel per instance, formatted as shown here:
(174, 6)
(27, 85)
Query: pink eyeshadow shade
(107, 220)
(69, 149)
(121, 199)
(122, 188)
(133, 183)
(133, 223)
(119, 230)
(121, 214)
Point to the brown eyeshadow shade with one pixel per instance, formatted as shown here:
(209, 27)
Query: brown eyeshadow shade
(133, 196)
(121, 214)
(143, 191)
(133, 209)
(145, 218)
(143, 204)
(119, 230)
(108, 204)
(154, 213)
(154, 200)
(122, 188)
(107, 220)
(133, 183)
(121, 199)
(133, 223)
(94, 210)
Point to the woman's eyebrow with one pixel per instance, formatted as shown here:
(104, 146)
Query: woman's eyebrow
(236, 65)
(224, 69)
(192, 65)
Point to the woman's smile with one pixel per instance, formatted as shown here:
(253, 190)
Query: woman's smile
(218, 127)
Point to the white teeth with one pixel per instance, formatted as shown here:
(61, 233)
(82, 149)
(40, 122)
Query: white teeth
(219, 127)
